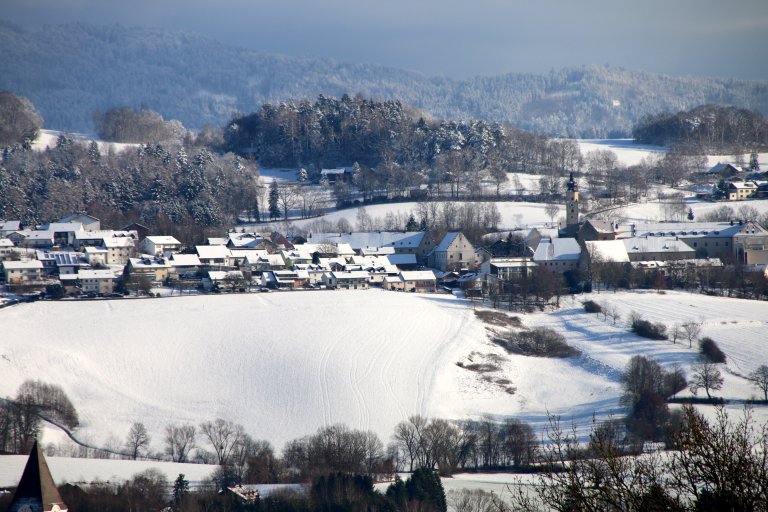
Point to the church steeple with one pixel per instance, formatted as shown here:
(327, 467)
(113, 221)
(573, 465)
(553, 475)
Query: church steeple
(36, 491)
(572, 185)
(572, 206)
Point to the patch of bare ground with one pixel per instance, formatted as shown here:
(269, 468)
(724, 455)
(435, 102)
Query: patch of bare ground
(498, 318)
(487, 365)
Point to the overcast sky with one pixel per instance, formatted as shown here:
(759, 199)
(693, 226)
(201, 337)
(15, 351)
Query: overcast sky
(459, 39)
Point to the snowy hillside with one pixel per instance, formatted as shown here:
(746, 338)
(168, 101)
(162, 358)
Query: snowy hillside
(284, 364)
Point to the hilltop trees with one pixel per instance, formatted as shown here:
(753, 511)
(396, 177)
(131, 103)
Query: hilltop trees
(124, 124)
(138, 440)
(19, 121)
(705, 128)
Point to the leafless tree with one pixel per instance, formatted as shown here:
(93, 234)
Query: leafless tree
(287, 198)
(759, 379)
(223, 437)
(705, 375)
(138, 440)
(552, 210)
(692, 330)
(179, 441)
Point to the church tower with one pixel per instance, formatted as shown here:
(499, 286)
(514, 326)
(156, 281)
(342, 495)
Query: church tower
(572, 206)
(36, 491)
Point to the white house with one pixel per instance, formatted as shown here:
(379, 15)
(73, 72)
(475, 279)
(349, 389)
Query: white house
(213, 255)
(119, 250)
(454, 252)
(21, 272)
(413, 281)
(355, 280)
(558, 254)
(159, 245)
(96, 281)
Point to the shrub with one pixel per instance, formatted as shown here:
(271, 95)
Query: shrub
(646, 329)
(591, 306)
(709, 349)
(539, 341)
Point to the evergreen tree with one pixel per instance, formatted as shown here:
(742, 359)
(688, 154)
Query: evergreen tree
(274, 200)
(412, 225)
(754, 163)
(690, 213)
(180, 490)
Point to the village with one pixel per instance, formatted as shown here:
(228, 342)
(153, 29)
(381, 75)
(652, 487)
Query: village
(75, 258)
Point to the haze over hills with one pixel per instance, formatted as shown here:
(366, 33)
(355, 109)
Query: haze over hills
(70, 70)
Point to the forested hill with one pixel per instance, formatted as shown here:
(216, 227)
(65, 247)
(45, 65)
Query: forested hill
(70, 70)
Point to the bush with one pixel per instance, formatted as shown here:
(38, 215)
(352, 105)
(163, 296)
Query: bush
(709, 349)
(591, 306)
(539, 341)
(646, 329)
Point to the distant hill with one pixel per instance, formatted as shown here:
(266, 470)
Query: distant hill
(70, 70)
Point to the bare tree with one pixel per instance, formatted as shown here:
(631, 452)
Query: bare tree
(759, 379)
(223, 437)
(692, 330)
(552, 210)
(286, 199)
(705, 375)
(138, 440)
(179, 441)
(676, 332)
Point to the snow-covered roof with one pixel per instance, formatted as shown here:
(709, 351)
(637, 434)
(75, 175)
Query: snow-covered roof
(418, 275)
(212, 251)
(163, 240)
(354, 274)
(22, 265)
(720, 167)
(78, 217)
(217, 241)
(149, 263)
(326, 172)
(610, 251)
(376, 251)
(64, 227)
(685, 229)
(184, 260)
(413, 239)
(10, 225)
(95, 274)
(557, 249)
(4, 242)
(511, 262)
(402, 259)
(447, 240)
(220, 275)
(639, 245)
(94, 250)
(120, 242)
(744, 185)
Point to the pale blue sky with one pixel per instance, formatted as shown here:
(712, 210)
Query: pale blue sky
(459, 39)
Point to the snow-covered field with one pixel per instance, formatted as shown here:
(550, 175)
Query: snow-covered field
(626, 151)
(48, 138)
(73, 470)
(284, 364)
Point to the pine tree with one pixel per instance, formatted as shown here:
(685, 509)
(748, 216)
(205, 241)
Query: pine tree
(754, 163)
(274, 198)
(180, 489)
(412, 225)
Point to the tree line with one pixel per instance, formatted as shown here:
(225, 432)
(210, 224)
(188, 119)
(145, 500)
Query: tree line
(330, 132)
(159, 186)
(705, 129)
